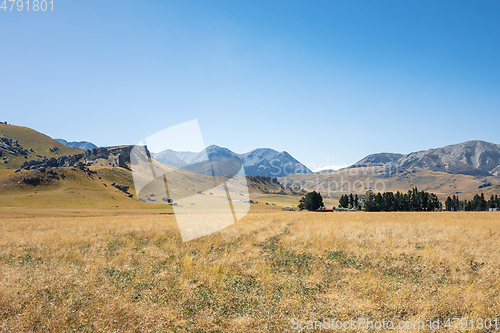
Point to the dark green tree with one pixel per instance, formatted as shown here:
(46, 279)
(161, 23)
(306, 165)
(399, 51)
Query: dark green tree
(369, 202)
(448, 204)
(483, 204)
(389, 204)
(379, 202)
(312, 201)
(344, 201)
(491, 202)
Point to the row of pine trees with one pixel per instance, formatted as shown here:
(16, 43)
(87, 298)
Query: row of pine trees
(415, 201)
(478, 203)
(412, 201)
(350, 201)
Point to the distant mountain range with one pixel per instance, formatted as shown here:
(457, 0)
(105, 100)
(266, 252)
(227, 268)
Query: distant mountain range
(474, 158)
(258, 162)
(464, 168)
(77, 144)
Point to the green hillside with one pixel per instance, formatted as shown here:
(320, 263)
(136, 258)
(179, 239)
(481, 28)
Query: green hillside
(68, 188)
(37, 144)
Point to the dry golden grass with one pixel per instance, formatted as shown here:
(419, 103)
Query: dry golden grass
(133, 273)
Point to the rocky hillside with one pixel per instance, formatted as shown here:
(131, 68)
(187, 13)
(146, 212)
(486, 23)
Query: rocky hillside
(20, 144)
(103, 156)
(474, 158)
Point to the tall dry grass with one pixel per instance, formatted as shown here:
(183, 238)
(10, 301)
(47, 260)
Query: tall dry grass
(133, 273)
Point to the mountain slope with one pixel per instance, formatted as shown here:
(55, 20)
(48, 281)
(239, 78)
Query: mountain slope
(259, 162)
(381, 179)
(170, 157)
(271, 163)
(496, 172)
(77, 144)
(378, 159)
(474, 158)
(466, 168)
(20, 144)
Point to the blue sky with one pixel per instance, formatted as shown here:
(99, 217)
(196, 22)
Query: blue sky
(327, 81)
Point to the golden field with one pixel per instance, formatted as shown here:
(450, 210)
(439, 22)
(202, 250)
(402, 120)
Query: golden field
(124, 272)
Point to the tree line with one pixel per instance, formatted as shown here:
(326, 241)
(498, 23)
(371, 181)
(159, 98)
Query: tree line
(350, 201)
(477, 204)
(412, 201)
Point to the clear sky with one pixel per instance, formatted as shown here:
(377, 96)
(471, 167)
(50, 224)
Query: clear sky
(327, 81)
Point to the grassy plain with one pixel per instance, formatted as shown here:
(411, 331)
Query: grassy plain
(131, 272)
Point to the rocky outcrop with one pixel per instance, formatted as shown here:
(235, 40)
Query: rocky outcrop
(116, 156)
(43, 176)
(63, 161)
(122, 188)
(11, 146)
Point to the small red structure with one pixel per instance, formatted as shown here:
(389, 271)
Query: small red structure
(323, 209)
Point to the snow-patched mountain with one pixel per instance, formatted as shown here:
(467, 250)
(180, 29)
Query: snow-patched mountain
(77, 144)
(475, 158)
(258, 162)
